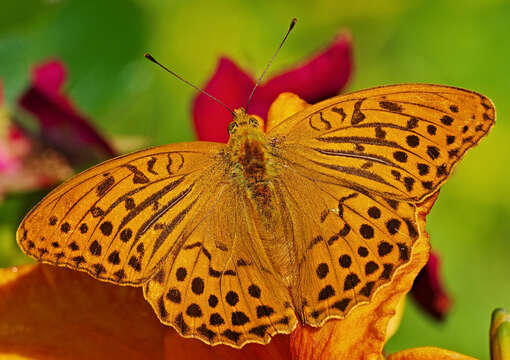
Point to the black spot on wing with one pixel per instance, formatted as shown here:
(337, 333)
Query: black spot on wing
(391, 106)
(205, 331)
(357, 115)
(138, 176)
(231, 335)
(104, 186)
(150, 165)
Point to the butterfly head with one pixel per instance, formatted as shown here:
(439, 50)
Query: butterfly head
(245, 125)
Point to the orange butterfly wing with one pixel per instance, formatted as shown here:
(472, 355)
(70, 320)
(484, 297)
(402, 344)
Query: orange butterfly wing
(220, 285)
(400, 141)
(170, 218)
(118, 220)
(353, 168)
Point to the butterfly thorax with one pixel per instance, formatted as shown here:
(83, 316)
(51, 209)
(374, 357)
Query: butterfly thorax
(252, 163)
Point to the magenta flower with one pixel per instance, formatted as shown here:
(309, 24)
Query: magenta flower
(65, 139)
(62, 126)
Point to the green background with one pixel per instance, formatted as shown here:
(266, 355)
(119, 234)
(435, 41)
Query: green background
(460, 43)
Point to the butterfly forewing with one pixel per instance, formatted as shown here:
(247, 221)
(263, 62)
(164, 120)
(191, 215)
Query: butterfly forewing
(119, 219)
(400, 141)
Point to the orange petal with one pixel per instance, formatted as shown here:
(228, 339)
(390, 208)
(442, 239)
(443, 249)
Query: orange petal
(56, 313)
(428, 353)
(362, 334)
(177, 347)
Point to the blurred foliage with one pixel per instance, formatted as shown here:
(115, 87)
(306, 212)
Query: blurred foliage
(460, 43)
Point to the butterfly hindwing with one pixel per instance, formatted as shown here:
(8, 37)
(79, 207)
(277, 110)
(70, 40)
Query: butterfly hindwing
(219, 285)
(354, 242)
(119, 219)
(400, 141)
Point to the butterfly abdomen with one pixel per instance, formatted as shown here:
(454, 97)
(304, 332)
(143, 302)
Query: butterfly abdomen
(253, 162)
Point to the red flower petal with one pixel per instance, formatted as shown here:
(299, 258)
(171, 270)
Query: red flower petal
(24, 164)
(230, 85)
(428, 290)
(320, 78)
(62, 127)
(49, 77)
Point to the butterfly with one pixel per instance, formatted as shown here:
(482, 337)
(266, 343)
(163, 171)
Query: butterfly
(234, 243)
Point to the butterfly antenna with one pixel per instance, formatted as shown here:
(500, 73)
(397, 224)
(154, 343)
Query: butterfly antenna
(292, 23)
(149, 57)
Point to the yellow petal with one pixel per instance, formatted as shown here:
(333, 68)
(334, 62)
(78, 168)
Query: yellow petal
(428, 353)
(362, 334)
(285, 105)
(394, 322)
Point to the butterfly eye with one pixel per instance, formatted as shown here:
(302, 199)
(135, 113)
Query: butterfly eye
(253, 122)
(232, 127)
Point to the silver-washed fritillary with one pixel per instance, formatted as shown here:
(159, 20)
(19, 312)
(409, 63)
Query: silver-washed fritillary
(234, 243)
